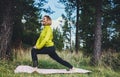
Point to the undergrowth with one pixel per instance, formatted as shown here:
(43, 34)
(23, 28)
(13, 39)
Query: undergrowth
(109, 66)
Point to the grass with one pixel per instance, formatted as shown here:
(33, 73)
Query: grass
(24, 58)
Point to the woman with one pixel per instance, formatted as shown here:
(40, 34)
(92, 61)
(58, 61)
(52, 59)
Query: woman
(45, 45)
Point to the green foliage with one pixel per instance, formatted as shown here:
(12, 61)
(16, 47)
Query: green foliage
(87, 25)
(110, 22)
(67, 32)
(30, 38)
(86, 21)
(25, 10)
(110, 25)
(26, 22)
(58, 39)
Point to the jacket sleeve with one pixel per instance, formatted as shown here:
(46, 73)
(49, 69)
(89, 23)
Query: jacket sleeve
(43, 42)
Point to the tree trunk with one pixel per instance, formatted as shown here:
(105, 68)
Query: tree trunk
(6, 30)
(77, 26)
(98, 34)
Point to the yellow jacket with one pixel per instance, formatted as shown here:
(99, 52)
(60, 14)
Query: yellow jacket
(45, 38)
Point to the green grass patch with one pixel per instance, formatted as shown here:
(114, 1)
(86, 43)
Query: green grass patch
(78, 60)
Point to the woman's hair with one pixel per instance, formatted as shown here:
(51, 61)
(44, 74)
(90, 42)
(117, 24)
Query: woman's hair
(49, 20)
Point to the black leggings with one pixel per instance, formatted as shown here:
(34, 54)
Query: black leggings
(51, 52)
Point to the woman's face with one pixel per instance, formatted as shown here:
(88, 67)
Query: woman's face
(44, 21)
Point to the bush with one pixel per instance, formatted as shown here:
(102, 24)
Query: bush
(112, 60)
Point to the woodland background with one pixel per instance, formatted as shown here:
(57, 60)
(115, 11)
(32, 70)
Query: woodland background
(97, 27)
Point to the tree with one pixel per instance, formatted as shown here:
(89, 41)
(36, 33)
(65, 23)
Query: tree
(77, 25)
(6, 28)
(111, 25)
(98, 33)
(109, 21)
(72, 5)
(58, 39)
(11, 27)
(26, 31)
(67, 30)
(115, 14)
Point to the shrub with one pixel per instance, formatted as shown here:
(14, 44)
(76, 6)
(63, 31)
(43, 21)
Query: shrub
(112, 60)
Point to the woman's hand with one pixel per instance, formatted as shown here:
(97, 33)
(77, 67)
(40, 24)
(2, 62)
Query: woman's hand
(34, 47)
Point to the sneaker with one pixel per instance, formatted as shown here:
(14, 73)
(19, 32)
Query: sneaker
(73, 69)
(35, 68)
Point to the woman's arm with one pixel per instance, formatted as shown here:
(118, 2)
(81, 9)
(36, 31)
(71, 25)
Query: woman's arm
(44, 40)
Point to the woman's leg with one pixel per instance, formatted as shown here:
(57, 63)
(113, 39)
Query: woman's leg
(34, 57)
(51, 52)
(54, 56)
(34, 53)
